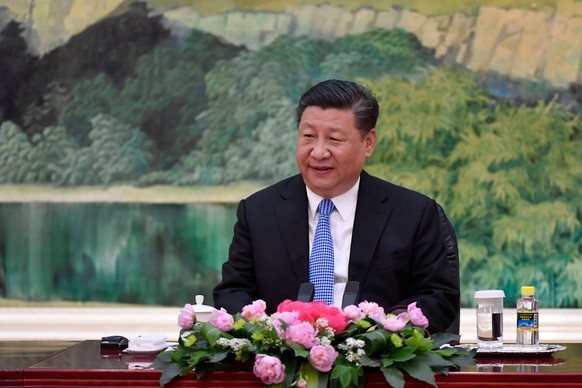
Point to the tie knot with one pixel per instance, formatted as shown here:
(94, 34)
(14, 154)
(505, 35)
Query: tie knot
(326, 206)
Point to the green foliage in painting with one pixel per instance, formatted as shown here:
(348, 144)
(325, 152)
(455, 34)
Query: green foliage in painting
(249, 130)
(39, 161)
(88, 99)
(162, 97)
(201, 112)
(509, 177)
(374, 53)
(207, 113)
(249, 126)
(117, 153)
(14, 146)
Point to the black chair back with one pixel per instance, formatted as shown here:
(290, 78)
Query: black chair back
(453, 257)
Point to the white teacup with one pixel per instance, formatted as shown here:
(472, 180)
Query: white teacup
(202, 311)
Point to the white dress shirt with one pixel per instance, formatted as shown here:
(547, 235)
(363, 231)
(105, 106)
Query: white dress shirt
(341, 222)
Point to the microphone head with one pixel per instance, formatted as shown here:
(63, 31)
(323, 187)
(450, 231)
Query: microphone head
(351, 293)
(306, 292)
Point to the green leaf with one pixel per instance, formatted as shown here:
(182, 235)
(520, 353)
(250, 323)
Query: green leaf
(169, 372)
(249, 329)
(445, 352)
(170, 368)
(213, 334)
(350, 331)
(207, 366)
(198, 356)
(393, 376)
(419, 342)
(347, 375)
(217, 357)
(419, 370)
(376, 340)
(299, 351)
(439, 339)
(163, 357)
(315, 378)
(369, 362)
(291, 363)
(402, 354)
(463, 359)
(190, 340)
(441, 370)
(433, 360)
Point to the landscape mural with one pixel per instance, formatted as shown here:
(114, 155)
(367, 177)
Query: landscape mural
(129, 131)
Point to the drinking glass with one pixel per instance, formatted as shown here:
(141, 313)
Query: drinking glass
(489, 318)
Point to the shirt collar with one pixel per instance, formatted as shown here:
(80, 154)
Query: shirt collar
(344, 203)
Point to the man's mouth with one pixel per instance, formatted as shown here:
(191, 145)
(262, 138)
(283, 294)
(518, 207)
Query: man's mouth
(321, 168)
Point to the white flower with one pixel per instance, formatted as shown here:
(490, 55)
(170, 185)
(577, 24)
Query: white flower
(353, 349)
(324, 341)
(321, 322)
(236, 344)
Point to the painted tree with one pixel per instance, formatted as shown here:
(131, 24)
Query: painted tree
(117, 153)
(508, 176)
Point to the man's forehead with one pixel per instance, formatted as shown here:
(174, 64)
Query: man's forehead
(318, 115)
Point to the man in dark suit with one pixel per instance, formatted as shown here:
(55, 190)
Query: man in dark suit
(385, 237)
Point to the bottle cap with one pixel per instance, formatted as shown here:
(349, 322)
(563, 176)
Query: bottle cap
(528, 290)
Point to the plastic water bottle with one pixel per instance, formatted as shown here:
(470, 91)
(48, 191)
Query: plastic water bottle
(527, 317)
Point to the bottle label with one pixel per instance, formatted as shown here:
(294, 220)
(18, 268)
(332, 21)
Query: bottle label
(527, 321)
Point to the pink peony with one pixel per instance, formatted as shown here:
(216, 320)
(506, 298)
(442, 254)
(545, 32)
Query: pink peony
(254, 310)
(416, 316)
(404, 316)
(322, 357)
(395, 322)
(312, 311)
(335, 318)
(290, 318)
(302, 333)
(187, 317)
(221, 320)
(305, 310)
(373, 310)
(354, 313)
(269, 369)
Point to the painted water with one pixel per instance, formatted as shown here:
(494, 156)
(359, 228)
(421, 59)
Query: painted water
(156, 254)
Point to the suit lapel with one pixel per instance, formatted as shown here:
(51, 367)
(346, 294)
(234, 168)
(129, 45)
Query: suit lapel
(292, 221)
(372, 213)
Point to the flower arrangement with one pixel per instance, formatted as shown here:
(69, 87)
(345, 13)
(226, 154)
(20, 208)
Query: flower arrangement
(311, 344)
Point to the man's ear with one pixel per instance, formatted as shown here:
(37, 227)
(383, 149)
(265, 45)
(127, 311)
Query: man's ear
(370, 142)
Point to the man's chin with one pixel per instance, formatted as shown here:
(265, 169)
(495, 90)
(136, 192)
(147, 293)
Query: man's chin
(325, 191)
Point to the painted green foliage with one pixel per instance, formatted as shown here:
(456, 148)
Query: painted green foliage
(509, 176)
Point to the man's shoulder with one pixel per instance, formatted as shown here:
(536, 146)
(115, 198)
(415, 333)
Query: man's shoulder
(383, 189)
(282, 189)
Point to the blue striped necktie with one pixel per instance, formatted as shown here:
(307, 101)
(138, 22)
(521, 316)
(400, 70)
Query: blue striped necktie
(321, 261)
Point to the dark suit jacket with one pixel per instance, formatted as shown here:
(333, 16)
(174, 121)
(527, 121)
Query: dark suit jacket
(397, 253)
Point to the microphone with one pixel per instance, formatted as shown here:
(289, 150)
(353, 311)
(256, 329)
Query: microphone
(351, 293)
(306, 292)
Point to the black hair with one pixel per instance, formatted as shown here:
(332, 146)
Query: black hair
(344, 95)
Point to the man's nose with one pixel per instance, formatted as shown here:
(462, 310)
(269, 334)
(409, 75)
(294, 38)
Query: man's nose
(320, 150)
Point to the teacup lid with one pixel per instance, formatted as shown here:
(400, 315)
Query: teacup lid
(486, 294)
(199, 307)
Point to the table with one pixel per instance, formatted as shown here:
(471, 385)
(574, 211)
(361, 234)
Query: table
(62, 364)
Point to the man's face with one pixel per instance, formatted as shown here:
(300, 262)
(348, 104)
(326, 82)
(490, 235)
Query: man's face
(331, 151)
